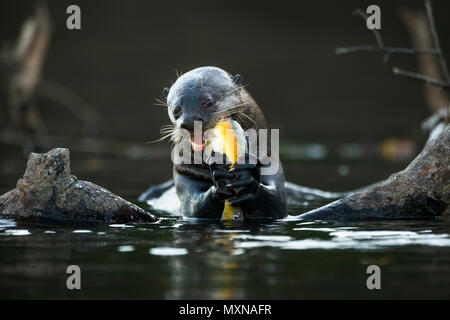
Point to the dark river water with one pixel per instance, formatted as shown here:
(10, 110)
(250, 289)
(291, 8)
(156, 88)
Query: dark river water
(181, 259)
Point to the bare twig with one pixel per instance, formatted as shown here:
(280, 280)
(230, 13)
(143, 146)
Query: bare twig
(380, 45)
(436, 42)
(421, 77)
(388, 50)
(413, 75)
(417, 76)
(375, 32)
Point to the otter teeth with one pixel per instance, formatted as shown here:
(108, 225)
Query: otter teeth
(198, 145)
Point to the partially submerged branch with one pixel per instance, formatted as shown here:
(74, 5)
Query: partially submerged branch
(420, 191)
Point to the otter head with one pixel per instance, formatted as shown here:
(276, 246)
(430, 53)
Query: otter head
(205, 94)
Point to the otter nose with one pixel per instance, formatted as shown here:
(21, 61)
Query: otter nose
(188, 122)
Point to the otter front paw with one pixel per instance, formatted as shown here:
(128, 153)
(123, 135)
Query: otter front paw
(238, 184)
(221, 178)
(245, 183)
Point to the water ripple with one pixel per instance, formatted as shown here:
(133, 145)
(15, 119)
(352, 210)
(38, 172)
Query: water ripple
(345, 238)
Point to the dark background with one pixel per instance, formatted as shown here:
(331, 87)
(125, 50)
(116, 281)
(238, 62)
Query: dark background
(127, 51)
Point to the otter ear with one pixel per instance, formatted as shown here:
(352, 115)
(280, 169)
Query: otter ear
(165, 92)
(237, 79)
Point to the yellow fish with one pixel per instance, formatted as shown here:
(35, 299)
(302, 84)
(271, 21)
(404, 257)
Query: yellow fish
(229, 138)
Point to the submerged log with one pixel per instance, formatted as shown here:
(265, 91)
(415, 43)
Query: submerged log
(422, 190)
(48, 190)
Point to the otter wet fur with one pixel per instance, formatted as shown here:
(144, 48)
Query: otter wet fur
(209, 94)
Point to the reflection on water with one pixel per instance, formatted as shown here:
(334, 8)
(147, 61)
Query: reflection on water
(168, 251)
(342, 238)
(179, 258)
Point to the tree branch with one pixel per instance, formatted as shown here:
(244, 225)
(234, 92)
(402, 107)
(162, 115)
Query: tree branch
(388, 50)
(436, 42)
(380, 45)
(421, 77)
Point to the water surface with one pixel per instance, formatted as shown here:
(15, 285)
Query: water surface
(178, 258)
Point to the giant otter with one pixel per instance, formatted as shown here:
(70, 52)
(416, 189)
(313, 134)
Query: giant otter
(207, 94)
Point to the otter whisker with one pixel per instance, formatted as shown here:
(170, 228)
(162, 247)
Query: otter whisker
(160, 103)
(176, 137)
(238, 88)
(168, 126)
(166, 131)
(237, 105)
(245, 120)
(236, 111)
(160, 139)
(229, 110)
(249, 118)
(178, 73)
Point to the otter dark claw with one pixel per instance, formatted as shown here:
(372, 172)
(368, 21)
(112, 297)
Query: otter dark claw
(222, 173)
(224, 193)
(240, 200)
(241, 183)
(241, 167)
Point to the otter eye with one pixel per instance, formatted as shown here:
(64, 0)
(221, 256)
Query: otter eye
(177, 111)
(208, 103)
